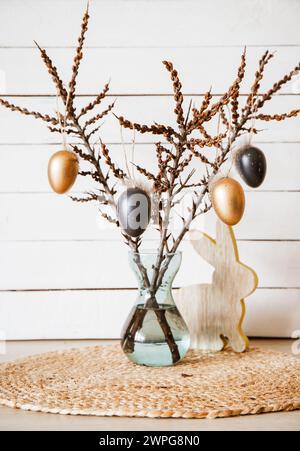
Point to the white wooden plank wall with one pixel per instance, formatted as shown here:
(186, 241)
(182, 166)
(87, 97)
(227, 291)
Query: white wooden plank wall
(61, 274)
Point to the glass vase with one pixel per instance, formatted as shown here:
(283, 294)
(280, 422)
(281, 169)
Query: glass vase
(155, 333)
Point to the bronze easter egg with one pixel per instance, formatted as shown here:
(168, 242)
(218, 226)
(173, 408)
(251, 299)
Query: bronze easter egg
(228, 200)
(62, 171)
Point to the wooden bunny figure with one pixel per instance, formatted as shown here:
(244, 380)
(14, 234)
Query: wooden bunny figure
(214, 312)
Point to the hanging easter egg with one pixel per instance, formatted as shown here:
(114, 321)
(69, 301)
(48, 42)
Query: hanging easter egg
(228, 200)
(251, 164)
(134, 210)
(62, 171)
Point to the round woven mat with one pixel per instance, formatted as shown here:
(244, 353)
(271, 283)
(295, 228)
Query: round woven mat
(101, 381)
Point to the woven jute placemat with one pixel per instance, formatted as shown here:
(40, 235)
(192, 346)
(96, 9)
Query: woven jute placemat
(101, 381)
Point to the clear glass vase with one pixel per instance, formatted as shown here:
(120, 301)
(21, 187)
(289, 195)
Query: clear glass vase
(155, 334)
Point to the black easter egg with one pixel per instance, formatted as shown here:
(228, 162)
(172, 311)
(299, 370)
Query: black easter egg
(251, 164)
(134, 209)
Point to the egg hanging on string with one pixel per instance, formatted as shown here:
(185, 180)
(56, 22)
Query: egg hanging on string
(251, 164)
(134, 210)
(62, 171)
(228, 200)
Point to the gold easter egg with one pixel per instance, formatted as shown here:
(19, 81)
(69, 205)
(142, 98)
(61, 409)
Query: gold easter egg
(62, 171)
(228, 200)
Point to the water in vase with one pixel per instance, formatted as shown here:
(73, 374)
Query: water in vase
(155, 334)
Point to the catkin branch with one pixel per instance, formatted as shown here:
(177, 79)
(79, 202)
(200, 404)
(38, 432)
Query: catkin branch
(145, 172)
(99, 116)
(77, 60)
(95, 102)
(236, 89)
(118, 173)
(206, 102)
(178, 96)
(277, 117)
(267, 56)
(276, 87)
(156, 129)
(54, 74)
(90, 197)
(35, 114)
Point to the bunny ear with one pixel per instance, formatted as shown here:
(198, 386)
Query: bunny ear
(204, 245)
(226, 242)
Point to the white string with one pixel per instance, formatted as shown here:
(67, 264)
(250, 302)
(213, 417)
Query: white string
(230, 141)
(218, 153)
(125, 154)
(62, 124)
(132, 156)
(212, 178)
(253, 119)
(218, 132)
